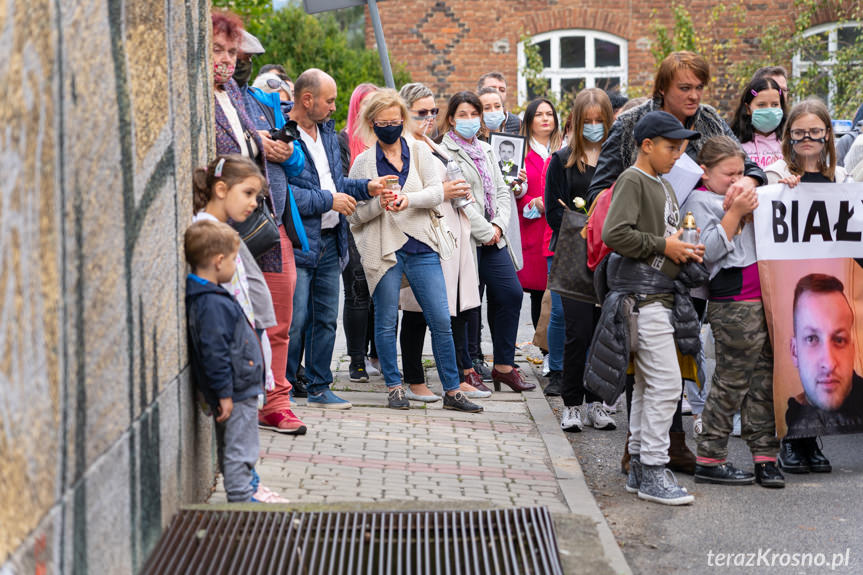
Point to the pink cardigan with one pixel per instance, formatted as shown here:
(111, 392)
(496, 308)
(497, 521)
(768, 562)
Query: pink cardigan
(534, 274)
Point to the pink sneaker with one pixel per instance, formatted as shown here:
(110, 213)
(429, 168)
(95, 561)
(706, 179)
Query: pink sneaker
(283, 422)
(265, 495)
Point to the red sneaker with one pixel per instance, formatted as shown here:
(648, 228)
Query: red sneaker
(282, 422)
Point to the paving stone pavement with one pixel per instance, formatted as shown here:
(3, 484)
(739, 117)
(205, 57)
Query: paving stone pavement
(513, 454)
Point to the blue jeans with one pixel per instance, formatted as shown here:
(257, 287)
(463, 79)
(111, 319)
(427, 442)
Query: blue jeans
(556, 331)
(424, 274)
(316, 310)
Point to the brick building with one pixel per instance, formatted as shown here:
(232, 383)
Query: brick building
(448, 44)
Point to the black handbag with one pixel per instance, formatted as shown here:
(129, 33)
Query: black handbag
(569, 275)
(260, 230)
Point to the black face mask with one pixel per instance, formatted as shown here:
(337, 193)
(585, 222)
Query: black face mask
(243, 71)
(286, 108)
(388, 134)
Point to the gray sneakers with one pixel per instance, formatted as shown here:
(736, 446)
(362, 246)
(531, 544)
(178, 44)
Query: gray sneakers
(659, 485)
(396, 398)
(633, 480)
(597, 417)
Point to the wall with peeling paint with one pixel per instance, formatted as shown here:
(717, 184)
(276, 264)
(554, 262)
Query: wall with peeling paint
(104, 113)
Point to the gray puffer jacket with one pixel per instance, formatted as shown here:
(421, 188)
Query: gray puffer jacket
(619, 279)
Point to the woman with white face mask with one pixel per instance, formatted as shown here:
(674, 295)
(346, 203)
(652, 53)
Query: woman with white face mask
(489, 217)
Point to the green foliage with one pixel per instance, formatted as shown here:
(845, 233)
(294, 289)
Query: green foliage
(299, 41)
(681, 37)
(251, 11)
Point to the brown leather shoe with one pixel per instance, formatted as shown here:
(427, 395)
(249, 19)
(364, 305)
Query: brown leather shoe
(475, 379)
(624, 462)
(680, 458)
(513, 379)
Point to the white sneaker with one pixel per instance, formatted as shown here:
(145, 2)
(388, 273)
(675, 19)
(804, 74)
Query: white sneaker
(571, 420)
(697, 425)
(371, 369)
(545, 369)
(610, 409)
(265, 495)
(598, 418)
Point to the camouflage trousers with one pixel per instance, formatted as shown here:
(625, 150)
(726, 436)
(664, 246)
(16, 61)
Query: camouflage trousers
(743, 381)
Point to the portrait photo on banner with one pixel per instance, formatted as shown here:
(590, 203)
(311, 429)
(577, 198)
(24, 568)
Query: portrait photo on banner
(814, 306)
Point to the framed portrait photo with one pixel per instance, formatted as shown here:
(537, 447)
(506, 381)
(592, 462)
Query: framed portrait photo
(510, 151)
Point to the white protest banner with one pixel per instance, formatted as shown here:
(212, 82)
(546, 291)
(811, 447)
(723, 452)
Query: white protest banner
(809, 241)
(810, 221)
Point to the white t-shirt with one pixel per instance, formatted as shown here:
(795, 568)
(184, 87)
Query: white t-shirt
(247, 147)
(325, 176)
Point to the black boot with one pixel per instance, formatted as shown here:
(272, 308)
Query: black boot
(793, 457)
(817, 462)
(768, 475)
(555, 384)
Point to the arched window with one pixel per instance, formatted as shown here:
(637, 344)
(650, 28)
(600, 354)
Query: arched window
(827, 46)
(577, 59)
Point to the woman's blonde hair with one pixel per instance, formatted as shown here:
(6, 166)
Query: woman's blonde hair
(817, 108)
(374, 104)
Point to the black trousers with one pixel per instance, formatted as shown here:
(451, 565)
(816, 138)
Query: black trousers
(358, 313)
(412, 339)
(580, 318)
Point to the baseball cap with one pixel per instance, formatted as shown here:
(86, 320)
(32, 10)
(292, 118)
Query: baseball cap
(661, 125)
(250, 45)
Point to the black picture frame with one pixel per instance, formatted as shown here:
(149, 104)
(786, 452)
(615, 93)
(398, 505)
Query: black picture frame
(519, 144)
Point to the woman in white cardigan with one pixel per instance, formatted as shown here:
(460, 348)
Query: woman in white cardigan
(459, 271)
(396, 236)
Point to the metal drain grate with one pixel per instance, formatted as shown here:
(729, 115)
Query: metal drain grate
(495, 542)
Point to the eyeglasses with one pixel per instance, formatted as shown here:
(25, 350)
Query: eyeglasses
(274, 84)
(389, 124)
(812, 134)
(423, 113)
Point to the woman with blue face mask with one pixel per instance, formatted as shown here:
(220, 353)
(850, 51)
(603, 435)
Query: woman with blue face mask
(395, 237)
(489, 219)
(567, 180)
(759, 120)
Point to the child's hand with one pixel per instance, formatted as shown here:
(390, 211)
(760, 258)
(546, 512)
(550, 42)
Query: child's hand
(226, 406)
(679, 251)
(745, 203)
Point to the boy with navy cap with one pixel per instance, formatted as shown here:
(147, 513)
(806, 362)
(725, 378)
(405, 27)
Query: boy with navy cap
(643, 224)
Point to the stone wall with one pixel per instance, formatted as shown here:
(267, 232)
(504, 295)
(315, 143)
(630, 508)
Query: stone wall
(104, 113)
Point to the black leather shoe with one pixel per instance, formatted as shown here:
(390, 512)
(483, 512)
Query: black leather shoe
(298, 389)
(481, 367)
(460, 402)
(792, 457)
(768, 475)
(818, 463)
(555, 384)
(724, 474)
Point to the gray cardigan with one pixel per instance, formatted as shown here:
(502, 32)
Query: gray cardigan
(719, 252)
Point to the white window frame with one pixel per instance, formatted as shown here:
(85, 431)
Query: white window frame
(799, 66)
(590, 72)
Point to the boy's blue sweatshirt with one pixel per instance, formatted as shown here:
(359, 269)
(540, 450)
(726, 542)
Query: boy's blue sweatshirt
(224, 350)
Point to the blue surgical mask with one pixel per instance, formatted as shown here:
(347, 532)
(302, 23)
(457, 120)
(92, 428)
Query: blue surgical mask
(494, 119)
(467, 129)
(530, 213)
(765, 120)
(593, 132)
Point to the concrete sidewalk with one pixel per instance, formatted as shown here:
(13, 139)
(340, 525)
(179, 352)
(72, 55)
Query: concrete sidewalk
(512, 454)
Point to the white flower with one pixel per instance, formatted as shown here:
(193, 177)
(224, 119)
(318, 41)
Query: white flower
(579, 202)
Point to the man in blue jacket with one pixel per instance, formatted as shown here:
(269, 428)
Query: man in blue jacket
(324, 197)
